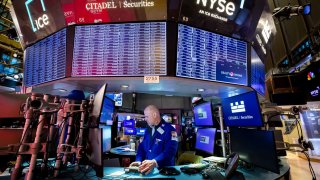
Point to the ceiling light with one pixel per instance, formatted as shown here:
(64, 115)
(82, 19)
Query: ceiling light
(200, 89)
(169, 95)
(62, 90)
(124, 86)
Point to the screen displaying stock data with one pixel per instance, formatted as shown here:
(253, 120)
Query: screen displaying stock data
(46, 60)
(132, 49)
(208, 56)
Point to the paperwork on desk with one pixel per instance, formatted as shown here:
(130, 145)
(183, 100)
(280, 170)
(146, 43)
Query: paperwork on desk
(215, 159)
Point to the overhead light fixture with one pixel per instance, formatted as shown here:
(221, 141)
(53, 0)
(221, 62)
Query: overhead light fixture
(62, 90)
(15, 55)
(200, 89)
(169, 95)
(124, 86)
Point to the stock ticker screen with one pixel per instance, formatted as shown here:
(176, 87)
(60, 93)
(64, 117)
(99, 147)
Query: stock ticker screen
(132, 49)
(209, 56)
(46, 60)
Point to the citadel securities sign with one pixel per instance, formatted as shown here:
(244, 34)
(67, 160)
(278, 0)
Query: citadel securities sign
(105, 11)
(38, 18)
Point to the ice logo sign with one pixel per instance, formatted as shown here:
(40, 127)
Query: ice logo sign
(237, 107)
(39, 22)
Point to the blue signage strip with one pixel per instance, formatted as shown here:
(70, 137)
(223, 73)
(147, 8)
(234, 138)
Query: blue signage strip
(46, 60)
(209, 56)
(132, 49)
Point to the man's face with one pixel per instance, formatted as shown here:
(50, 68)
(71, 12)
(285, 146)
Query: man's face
(150, 117)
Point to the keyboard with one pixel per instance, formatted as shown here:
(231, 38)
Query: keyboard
(214, 174)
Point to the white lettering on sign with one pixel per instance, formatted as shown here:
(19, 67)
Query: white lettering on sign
(222, 6)
(100, 6)
(266, 32)
(151, 79)
(261, 44)
(39, 22)
(42, 21)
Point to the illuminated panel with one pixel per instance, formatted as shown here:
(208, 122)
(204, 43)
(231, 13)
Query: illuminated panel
(209, 56)
(46, 60)
(257, 73)
(133, 49)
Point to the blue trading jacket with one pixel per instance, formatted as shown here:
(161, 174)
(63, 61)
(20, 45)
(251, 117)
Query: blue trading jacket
(162, 146)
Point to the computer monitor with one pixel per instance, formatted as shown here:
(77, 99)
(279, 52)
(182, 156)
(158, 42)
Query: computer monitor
(116, 97)
(107, 111)
(203, 115)
(205, 140)
(256, 147)
(141, 131)
(130, 131)
(106, 138)
(242, 110)
(129, 123)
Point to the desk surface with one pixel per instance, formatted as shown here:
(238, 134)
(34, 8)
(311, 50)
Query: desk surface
(120, 151)
(257, 173)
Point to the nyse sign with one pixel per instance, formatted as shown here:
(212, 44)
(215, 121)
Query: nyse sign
(218, 9)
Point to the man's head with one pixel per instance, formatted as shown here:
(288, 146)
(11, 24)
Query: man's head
(152, 115)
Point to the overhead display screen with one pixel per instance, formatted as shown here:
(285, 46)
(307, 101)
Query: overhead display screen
(209, 56)
(38, 18)
(135, 49)
(105, 11)
(46, 60)
(228, 17)
(257, 73)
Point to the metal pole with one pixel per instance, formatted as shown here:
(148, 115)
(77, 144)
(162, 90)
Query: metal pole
(70, 127)
(223, 140)
(62, 136)
(83, 108)
(28, 115)
(37, 143)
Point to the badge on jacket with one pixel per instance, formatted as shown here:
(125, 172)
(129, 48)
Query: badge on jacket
(174, 136)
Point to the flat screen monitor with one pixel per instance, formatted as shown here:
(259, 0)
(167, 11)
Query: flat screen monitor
(203, 115)
(205, 140)
(242, 110)
(130, 131)
(117, 98)
(256, 147)
(129, 123)
(167, 117)
(106, 138)
(141, 131)
(107, 111)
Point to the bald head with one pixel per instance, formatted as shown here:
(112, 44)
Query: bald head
(152, 115)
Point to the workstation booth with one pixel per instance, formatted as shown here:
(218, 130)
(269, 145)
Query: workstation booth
(92, 66)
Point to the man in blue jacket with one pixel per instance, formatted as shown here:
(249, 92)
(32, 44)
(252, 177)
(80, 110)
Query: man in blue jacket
(159, 145)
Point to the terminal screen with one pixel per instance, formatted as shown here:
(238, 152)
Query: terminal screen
(205, 140)
(203, 115)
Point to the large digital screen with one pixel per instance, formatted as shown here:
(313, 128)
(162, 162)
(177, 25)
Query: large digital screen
(203, 115)
(228, 17)
(209, 56)
(133, 49)
(129, 123)
(130, 131)
(205, 140)
(257, 73)
(242, 110)
(46, 60)
(38, 18)
(105, 11)
(107, 111)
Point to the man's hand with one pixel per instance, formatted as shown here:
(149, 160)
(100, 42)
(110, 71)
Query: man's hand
(137, 163)
(147, 166)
